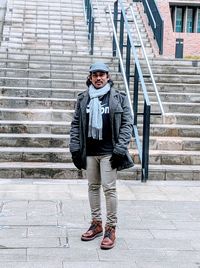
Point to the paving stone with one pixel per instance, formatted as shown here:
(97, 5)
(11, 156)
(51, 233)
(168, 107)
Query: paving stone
(13, 255)
(61, 254)
(20, 264)
(98, 265)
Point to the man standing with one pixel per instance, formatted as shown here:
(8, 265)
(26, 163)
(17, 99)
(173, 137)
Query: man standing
(100, 132)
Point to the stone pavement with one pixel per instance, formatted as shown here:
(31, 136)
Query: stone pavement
(41, 222)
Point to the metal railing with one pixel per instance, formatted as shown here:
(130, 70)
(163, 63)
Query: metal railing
(147, 61)
(155, 20)
(90, 22)
(143, 148)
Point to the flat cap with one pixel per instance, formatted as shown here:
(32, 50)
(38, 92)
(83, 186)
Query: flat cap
(99, 67)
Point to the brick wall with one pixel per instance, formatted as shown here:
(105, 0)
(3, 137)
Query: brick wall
(191, 41)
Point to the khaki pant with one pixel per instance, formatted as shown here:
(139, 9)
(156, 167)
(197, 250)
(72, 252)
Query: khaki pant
(99, 173)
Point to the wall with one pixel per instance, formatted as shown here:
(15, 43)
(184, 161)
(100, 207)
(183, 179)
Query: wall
(191, 41)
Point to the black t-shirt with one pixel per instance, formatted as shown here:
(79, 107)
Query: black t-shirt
(104, 146)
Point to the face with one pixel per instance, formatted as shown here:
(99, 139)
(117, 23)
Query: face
(99, 79)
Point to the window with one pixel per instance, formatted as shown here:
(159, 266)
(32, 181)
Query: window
(198, 21)
(185, 18)
(179, 20)
(190, 20)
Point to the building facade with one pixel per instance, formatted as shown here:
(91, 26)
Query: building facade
(181, 35)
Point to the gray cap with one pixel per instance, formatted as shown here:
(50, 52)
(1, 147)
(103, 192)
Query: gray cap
(99, 67)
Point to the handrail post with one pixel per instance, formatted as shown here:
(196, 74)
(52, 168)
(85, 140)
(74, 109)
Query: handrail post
(115, 19)
(145, 142)
(90, 23)
(92, 37)
(121, 37)
(135, 94)
(128, 59)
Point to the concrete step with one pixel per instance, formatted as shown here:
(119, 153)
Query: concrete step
(49, 83)
(171, 157)
(35, 127)
(188, 108)
(36, 114)
(35, 154)
(174, 87)
(183, 108)
(175, 143)
(48, 170)
(182, 118)
(62, 127)
(172, 69)
(174, 78)
(62, 155)
(172, 130)
(179, 97)
(31, 92)
(34, 140)
(39, 103)
(62, 140)
(52, 170)
(174, 118)
(164, 172)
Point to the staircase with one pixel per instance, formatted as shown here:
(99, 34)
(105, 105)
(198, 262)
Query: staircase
(44, 61)
(175, 142)
(44, 64)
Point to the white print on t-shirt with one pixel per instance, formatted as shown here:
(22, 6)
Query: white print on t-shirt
(104, 109)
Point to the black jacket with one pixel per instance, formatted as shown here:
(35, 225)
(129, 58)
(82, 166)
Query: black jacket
(121, 124)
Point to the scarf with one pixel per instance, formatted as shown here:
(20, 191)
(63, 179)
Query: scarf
(95, 117)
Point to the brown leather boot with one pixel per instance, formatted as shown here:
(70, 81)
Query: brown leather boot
(94, 231)
(108, 241)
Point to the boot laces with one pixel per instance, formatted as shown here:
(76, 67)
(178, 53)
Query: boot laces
(108, 232)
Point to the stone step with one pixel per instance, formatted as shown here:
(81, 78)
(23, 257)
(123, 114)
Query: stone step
(62, 127)
(171, 69)
(164, 172)
(170, 157)
(62, 140)
(34, 140)
(182, 107)
(179, 97)
(52, 170)
(165, 62)
(181, 118)
(48, 74)
(39, 103)
(34, 127)
(46, 60)
(48, 170)
(48, 83)
(175, 143)
(170, 107)
(172, 130)
(36, 114)
(62, 155)
(39, 92)
(174, 78)
(174, 87)
(35, 154)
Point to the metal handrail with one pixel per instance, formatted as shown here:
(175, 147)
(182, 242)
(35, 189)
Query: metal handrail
(151, 14)
(125, 83)
(154, 16)
(121, 61)
(143, 148)
(147, 61)
(135, 54)
(90, 22)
